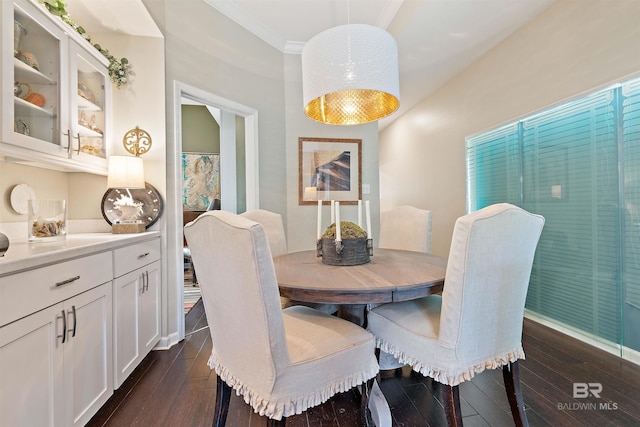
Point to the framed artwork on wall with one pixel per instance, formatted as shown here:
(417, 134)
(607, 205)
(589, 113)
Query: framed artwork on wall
(329, 169)
(200, 180)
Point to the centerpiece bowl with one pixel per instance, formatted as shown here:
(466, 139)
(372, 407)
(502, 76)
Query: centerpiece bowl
(354, 248)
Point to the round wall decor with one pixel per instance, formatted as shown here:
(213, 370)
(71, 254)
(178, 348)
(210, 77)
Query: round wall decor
(150, 198)
(20, 196)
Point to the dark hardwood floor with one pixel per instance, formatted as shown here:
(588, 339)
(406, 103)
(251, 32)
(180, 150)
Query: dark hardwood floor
(176, 388)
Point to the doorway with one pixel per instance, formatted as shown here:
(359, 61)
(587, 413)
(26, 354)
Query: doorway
(230, 114)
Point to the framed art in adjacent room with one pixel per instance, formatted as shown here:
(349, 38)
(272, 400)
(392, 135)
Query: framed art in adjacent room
(200, 180)
(329, 169)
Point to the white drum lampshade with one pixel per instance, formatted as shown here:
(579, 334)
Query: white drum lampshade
(350, 75)
(125, 172)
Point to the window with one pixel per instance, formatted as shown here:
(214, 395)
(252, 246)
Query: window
(578, 165)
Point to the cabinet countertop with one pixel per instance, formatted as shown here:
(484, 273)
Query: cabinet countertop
(24, 255)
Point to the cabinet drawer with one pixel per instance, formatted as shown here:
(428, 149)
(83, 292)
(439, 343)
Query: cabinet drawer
(27, 292)
(135, 256)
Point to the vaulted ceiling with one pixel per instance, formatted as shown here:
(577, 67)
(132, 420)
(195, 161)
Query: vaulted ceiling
(436, 39)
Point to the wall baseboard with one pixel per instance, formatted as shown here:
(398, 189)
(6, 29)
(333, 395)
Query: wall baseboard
(167, 342)
(623, 352)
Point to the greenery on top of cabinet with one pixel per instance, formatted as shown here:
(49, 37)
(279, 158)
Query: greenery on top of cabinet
(119, 70)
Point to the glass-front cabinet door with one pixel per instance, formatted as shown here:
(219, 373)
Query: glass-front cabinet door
(89, 106)
(59, 115)
(33, 116)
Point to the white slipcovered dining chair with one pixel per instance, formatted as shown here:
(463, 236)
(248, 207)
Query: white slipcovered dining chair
(477, 322)
(281, 361)
(407, 228)
(273, 226)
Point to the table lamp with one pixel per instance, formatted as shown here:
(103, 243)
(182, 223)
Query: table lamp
(127, 172)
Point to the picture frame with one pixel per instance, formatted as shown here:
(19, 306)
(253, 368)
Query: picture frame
(329, 169)
(200, 180)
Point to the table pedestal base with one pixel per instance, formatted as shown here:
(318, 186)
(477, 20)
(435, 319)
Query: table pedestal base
(380, 411)
(354, 313)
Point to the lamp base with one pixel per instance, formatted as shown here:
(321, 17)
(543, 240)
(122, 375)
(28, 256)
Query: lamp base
(128, 228)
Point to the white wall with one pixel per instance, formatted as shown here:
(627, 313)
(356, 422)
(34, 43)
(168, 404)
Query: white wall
(47, 184)
(140, 103)
(207, 51)
(571, 48)
(302, 220)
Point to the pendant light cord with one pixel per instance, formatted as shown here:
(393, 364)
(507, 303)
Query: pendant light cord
(348, 12)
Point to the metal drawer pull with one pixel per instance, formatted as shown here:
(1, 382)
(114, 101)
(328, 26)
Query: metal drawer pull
(73, 311)
(66, 282)
(64, 327)
(143, 255)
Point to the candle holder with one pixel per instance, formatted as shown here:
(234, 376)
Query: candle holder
(345, 252)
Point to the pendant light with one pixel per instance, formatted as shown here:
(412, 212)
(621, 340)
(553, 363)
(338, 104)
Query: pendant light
(350, 75)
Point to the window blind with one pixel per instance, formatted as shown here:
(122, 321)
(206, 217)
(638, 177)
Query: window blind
(578, 165)
(570, 164)
(497, 151)
(631, 214)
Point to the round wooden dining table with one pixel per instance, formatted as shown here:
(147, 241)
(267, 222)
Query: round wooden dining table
(391, 275)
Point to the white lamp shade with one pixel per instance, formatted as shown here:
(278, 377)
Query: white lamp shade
(350, 75)
(125, 172)
(310, 193)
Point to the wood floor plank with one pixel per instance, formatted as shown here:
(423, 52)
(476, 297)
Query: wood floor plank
(545, 412)
(600, 360)
(475, 421)
(424, 396)
(187, 406)
(556, 393)
(492, 383)
(623, 395)
(492, 388)
(403, 411)
(346, 407)
(484, 406)
(175, 387)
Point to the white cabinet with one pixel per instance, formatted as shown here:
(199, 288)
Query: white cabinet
(136, 293)
(60, 111)
(31, 371)
(70, 333)
(56, 365)
(88, 354)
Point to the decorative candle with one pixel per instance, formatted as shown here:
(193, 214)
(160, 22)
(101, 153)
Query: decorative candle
(333, 211)
(368, 214)
(338, 237)
(360, 213)
(319, 219)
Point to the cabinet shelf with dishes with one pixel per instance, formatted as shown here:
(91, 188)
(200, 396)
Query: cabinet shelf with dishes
(60, 114)
(85, 105)
(24, 108)
(25, 73)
